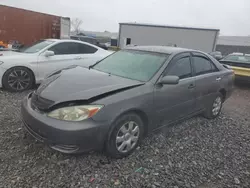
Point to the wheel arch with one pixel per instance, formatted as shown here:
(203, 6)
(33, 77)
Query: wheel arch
(136, 111)
(224, 93)
(143, 117)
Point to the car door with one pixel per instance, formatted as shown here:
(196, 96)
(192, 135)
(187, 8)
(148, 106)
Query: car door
(64, 53)
(207, 79)
(173, 102)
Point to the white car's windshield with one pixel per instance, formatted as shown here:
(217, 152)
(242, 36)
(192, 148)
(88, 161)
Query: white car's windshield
(36, 47)
(136, 65)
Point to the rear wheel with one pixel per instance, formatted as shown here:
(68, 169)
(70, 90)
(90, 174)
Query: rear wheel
(18, 79)
(125, 137)
(214, 109)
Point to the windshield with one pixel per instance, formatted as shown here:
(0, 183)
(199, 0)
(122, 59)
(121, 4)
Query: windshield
(136, 65)
(36, 47)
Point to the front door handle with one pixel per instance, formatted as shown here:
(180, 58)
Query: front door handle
(77, 58)
(218, 78)
(191, 86)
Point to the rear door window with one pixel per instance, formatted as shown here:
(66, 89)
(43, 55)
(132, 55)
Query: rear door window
(86, 49)
(202, 64)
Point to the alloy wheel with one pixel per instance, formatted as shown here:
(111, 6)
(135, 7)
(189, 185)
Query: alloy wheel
(127, 137)
(19, 79)
(216, 106)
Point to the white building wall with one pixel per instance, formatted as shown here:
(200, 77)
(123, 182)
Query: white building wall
(203, 40)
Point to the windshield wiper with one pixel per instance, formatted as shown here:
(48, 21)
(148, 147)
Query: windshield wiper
(91, 66)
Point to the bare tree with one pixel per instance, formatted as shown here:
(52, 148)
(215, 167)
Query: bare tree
(76, 25)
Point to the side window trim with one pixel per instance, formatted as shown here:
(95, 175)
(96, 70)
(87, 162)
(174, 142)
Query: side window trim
(177, 58)
(211, 62)
(64, 43)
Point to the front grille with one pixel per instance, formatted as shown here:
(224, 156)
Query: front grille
(40, 103)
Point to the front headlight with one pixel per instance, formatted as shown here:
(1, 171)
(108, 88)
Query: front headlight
(75, 113)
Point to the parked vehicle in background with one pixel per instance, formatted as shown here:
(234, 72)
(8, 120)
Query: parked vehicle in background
(40, 25)
(90, 40)
(107, 44)
(20, 70)
(14, 45)
(116, 102)
(240, 63)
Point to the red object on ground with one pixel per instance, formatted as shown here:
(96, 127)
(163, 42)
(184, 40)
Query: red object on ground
(91, 180)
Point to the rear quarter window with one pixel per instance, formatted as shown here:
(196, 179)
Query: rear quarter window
(86, 49)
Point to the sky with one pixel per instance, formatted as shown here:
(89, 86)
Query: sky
(232, 17)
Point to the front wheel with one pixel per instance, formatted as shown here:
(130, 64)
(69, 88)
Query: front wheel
(214, 109)
(126, 135)
(18, 79)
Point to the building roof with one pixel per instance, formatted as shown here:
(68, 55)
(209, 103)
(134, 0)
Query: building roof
(159, 49)
(234, 40)
(168, 26)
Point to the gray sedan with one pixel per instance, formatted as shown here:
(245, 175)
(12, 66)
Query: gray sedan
(113, 104)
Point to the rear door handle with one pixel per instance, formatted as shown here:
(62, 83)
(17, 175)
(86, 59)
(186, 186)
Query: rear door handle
(218, 78)
(191, 86)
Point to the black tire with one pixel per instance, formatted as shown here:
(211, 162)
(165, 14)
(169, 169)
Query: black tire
(111, 144)
(209, 111)
(18, 79)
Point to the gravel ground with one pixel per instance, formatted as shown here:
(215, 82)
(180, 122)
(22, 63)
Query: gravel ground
(196, 153)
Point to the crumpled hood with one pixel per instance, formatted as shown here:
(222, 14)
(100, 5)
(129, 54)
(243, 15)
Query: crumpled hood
(80, 83)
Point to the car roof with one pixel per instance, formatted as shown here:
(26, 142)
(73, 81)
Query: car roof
(72, 40)
(61, 40)
(67, 40)
(160, 49)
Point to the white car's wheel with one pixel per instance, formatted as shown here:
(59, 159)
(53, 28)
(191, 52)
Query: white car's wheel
(18, 79)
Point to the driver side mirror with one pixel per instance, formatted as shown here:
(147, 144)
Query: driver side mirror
(49, 53)
(171, 80)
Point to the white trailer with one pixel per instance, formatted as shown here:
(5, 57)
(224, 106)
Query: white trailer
(186, 37)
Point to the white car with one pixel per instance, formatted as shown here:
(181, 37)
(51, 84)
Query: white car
(21, 70)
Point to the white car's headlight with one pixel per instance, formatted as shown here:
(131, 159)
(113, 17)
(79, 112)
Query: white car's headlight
(1, 62)
(75, 113)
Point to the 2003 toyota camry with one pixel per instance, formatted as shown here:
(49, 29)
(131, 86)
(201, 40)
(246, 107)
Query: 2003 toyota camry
(113, 104)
